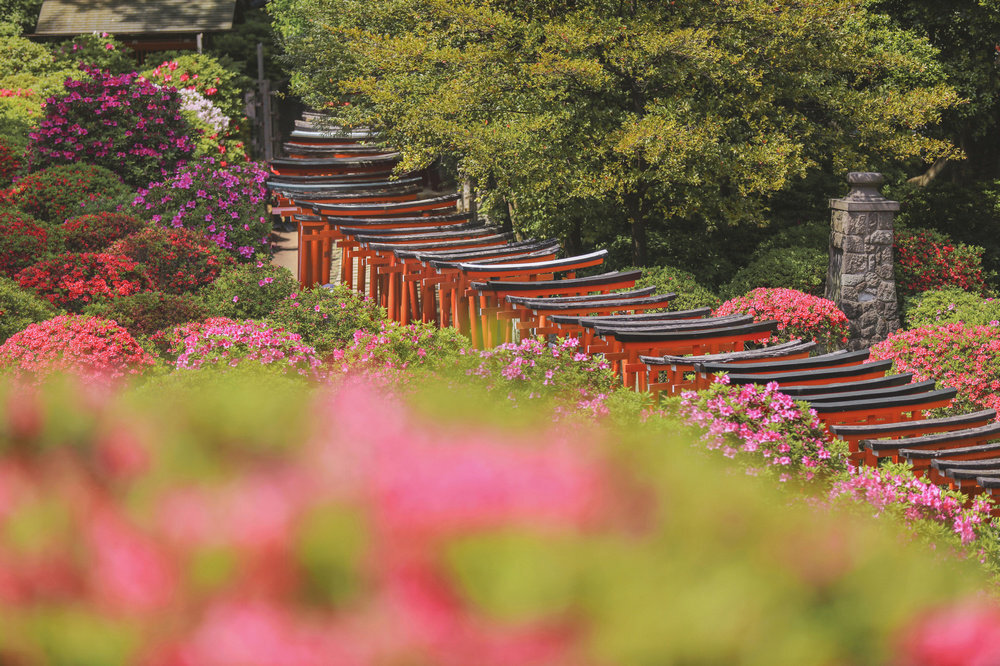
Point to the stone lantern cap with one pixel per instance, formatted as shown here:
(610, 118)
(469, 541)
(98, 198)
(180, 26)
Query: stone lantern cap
(864, 195)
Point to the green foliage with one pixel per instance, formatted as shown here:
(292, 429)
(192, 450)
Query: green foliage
(20, 308)
(810, 235)
(949, 306)
(690, 294)
(145, 313)
(327, 318)
(249, 291)
(963, 32)
(656, 112)
(237, 48)
(798, 268)
(28, 75)
(94, 50)
(20, 15)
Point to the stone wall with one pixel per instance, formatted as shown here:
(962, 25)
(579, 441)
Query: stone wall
(860, 278)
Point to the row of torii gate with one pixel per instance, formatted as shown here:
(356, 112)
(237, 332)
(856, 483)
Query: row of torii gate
(424, 257)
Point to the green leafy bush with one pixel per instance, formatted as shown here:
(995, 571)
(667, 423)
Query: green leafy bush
(249, 291)
(23, 241)
(11, 162)
(811, 235)
(327, 318)
(145, 313)
(690, 294)
(19, 308)
(94, 50)
(800, 268)
(950, 306)
(59, 192)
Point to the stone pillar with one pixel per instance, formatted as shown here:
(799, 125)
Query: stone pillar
(860, 279)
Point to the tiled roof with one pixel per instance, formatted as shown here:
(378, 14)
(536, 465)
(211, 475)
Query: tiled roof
(134, 17)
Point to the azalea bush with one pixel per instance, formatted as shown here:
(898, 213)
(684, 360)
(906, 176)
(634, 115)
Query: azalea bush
(764, 429)
(395, 347)
(64, 191)
(23, 240)
(952, 305)
(327, 318)
(11, 162)
(799, 315)
(153, 526)
(148, 312)
(226, 342)
(94, 51)
(227, 203)
(799, 268)
(217, 137)
(205, 75)
(927, 259)
(961, 356)
(89, 347)
(532, 369)
(74, 279)
(928, 510)
(250, 291)
(118, 121)
(175, 260)
(20, 308)
(93, 233)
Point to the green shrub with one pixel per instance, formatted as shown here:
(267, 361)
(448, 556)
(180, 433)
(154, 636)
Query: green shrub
(950, 306)
(94, 50)
(327, 318)
(800, 268)
(690, 294)
(249, 291)
(63, 191)
(145, 313)
(20, 308)
(11, 161)
(812, 235)
(23, 241)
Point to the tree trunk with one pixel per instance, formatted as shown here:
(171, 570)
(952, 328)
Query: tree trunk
(637, 220)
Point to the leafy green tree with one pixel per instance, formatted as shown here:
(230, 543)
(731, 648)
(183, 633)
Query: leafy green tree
(967, 35)
(593, 119)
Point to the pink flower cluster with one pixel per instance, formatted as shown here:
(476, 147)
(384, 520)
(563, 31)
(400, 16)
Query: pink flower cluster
(533, 369)
(221, 341)
(226, 203)
(958, 355)
(799, 315)
(765, 425)
(255, 563)
(917, 499)
(94, 349)
(117, 121)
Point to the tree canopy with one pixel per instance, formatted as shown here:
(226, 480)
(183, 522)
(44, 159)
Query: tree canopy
(610, 118)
